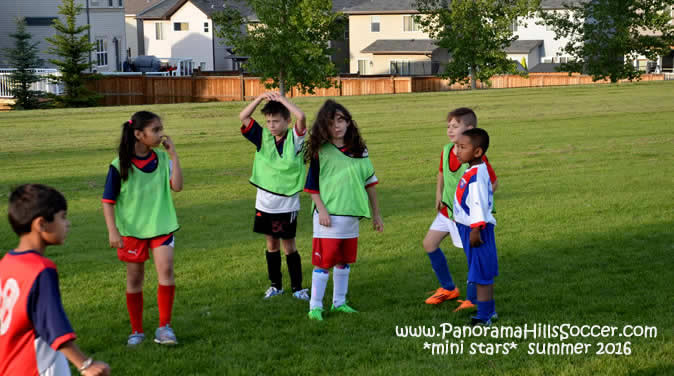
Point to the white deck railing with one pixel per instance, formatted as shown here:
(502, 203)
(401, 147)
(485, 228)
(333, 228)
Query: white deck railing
(45, 84)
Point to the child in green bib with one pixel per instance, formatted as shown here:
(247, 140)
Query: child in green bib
(140, 216)
(341, 182)
(278, 174)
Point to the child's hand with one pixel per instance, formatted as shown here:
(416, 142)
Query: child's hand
(439, 205)
(377, 223)
(97, 368)
(168, 145)
(324, 219)
(115, 240)
(475, 239)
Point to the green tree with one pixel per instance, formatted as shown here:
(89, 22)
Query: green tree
(23, 57)
(289, 44)
(475, 33)
(72, 47)
(606, 36)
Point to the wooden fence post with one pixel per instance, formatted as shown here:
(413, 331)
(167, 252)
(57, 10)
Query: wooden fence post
(243, 88)
(143, 80)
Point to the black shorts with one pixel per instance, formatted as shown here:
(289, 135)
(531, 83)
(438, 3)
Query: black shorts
(278, 225)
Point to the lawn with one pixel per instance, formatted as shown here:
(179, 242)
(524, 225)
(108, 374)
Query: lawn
(585, 212)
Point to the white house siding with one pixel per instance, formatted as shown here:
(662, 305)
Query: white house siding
(110, 24)
(533, 31)
(361, 36)
(194, 43)
(131, 30)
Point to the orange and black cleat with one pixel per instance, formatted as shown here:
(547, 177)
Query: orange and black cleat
(443, 294)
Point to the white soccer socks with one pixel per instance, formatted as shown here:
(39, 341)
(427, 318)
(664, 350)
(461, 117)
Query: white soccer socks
(319, 280)
(340, 279)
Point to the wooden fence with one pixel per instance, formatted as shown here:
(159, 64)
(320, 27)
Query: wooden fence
(138, 90)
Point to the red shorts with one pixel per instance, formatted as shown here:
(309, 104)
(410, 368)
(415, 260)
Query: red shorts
(330, 252)
(137, 250)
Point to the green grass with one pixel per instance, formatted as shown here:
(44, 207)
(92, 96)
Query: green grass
(585, 218)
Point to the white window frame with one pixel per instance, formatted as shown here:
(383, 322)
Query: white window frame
(207, 27)
(101, 52)
(159, 31)
(514, 26)
(375, 20)
(409, 66)
(367, 66)
(415, 25)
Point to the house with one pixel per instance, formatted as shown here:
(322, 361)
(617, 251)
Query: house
(134, 26)
(106, 18)
(384, 39)
(184, 29)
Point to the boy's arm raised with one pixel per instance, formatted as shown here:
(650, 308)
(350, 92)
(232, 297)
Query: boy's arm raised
(299, 114)
(245, 114)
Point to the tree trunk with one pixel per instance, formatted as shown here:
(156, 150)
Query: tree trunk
(282, 84)
(473, 81)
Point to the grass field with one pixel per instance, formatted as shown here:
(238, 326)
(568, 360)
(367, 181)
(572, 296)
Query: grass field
(585, 213)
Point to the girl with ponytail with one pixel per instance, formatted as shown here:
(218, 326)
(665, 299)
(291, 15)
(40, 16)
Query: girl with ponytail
(140, 216)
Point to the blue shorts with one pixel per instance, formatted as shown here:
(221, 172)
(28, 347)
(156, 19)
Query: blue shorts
(482, 261)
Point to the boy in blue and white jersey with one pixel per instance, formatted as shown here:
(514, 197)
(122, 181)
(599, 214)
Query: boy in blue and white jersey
(473, 207)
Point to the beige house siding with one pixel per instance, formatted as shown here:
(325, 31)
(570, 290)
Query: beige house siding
(391, 26)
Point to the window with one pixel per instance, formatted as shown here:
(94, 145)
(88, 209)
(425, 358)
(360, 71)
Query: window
(101, 52)
(549, 27)
(39, 21)
(374, 24)
(181, 26)
(110, 3)
(363, 66)
(409, 24)
(400, 67)
(513, 26)
(346, 34)
(159, 31)
(121, 3)
(205, 27)
(547, 60)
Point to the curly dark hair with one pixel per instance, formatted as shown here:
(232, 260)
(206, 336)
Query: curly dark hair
(320, 134)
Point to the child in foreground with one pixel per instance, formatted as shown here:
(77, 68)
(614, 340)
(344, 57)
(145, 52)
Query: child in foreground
(35, 333)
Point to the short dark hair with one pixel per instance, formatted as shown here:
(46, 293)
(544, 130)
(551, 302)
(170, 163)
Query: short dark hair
(465, 115)
(274, 107)
(478, 138)
(30, 201)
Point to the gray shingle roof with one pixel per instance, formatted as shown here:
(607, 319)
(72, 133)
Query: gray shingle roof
(545, 68)
(522, 46)
(137, 6)
(401, 46)
(164, 9)
(374, 6)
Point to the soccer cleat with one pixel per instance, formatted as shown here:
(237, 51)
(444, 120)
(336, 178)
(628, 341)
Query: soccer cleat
(135, 339)
(316, 314)
(271, 292)
(465, 304)
(343, 308)
(476, 321)
(443, 294)
(164, 336)
(302, 295)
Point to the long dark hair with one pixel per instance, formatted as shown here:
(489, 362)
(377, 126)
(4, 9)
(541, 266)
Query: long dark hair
(127, 143)
(320, 133)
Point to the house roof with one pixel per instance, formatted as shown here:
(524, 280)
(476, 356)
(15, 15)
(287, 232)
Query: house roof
(138, 6)
(545, 68)
(523, 46)
(166, 8)
(374, 6)
(409, 6)
(401, 46)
